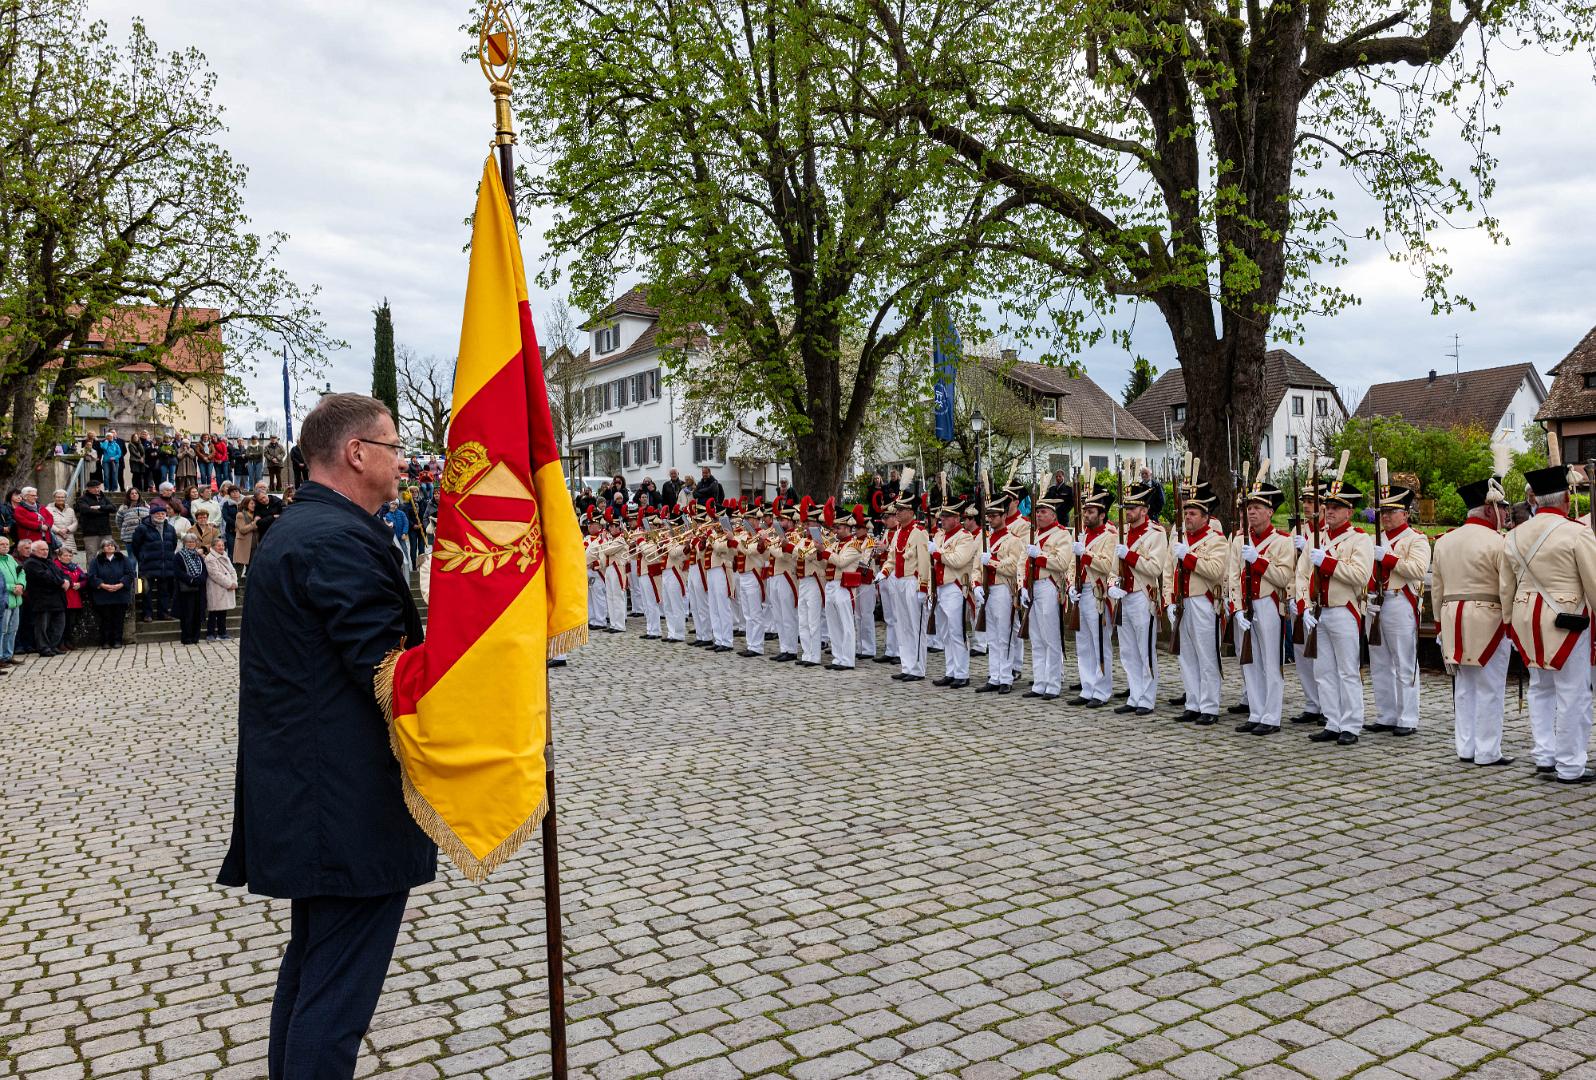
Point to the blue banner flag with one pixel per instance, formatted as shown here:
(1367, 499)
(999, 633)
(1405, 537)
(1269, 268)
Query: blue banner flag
(288, 401)
(945, 362)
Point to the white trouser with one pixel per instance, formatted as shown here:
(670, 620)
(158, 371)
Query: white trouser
(751, 599)
(950, 623)
(1265, 683)
(653, 604)
(1307, 677)
(1095, 671)
(840, 622)
(912, 610)
(1394, 664)
(811, 617)
(1016, 646)
(1047, 638)
(637, 583)
(889, 614)
(784, 604)
(698, 601)
(1199, 655)
(674, 603)
(1559, 704)
(1478, 701)
(1138, 651)
(999, 616)
(720, 606)
(597, 609)
(1339, 671)
(615, 597)
(864, 620)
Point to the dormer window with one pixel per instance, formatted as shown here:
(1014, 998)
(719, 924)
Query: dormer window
(1178, 413)
(609, 339)
(1590, 380)
(1049, 408)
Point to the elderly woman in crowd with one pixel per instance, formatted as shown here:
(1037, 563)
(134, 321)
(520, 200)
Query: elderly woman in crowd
(128, 518)
(32, 521)
(111, 590)
(201, 499)
(12, 586)
(190, 576)
(221, 590)
(244, 535)
(76, 578)
(64, 524)
(187, 465)
(206, 529)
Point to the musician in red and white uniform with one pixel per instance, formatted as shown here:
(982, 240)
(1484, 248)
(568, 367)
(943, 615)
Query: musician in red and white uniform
(651, 557)
(783, 584)
(750, 556)
(885, 587)
(700, 549)
(1003, 572)
(1094, 551)
(909, 581)
(610, 555)
(597, 612)
(673, 582)
(1553, 561)
(1473, 601)
(1401, 562)
(842, 556)
(1263, 569)
(1200, 559)
(722, 581)
(1337, 587)
(1143, 554)
(864, 597)
(1051, 573)
(953, 562)
(808, 568)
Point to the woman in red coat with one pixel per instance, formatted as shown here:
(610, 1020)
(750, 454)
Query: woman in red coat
(77, 576)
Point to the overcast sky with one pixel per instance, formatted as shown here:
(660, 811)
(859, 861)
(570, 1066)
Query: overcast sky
(364, 135)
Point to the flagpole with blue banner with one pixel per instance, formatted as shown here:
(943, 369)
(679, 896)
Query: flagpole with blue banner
(288, 401)
(945, 346)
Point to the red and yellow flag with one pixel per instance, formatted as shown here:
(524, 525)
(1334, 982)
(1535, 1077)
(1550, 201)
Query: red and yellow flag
(469, 709)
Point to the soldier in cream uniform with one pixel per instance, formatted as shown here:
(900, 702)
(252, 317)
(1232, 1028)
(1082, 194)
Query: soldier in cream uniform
(1003, 570)
(842, 556)
(1474, 602)
(909, 574)
(1338, 584)
(1200, 560)
(864, 599)
(1053, 570)
(1402, 560)
(1263, 571)
(651, 558)
(673, 583)
(783, 585)
(722, 584)
(1553, 562)
(611, 556)
(597, 607)
(953, 562)
(1302, 540)
(1094, 552)
(1143, 554)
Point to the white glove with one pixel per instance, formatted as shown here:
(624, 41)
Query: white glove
(986, 558)
(980, 596)
(1308, 622)
(1179, 549)
(1025, 597)
(1242, 621)
(880, 577)
(1374, 607)
(1318, 556)
(1075, 595)
(1116, 593)
(1299, 542)
(932, 548)
(1120, 551)
(1171, 611)
(1080, 549)
(1033, 551)
(1379, 552)
(1249, 553)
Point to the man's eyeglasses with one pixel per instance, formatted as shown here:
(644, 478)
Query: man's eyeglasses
(397, 448)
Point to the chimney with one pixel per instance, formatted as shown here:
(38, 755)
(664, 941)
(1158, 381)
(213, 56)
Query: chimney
(1432, 375)
(1011, 356)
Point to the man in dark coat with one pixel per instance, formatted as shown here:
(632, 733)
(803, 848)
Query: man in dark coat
(154, 547)
(709, 488)
(44, 604)
(319, 815)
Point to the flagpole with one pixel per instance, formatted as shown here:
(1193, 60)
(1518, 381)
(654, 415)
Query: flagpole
(497, 53)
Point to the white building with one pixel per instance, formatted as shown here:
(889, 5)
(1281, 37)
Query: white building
(633, 420)
(1302, 405)
(1501, 401)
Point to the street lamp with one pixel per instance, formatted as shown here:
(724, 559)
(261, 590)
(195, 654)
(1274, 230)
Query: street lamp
(977, 423)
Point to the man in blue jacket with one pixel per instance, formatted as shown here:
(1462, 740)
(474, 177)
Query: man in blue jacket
(319, 816)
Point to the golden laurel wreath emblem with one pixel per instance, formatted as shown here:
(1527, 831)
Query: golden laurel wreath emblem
(490, 546)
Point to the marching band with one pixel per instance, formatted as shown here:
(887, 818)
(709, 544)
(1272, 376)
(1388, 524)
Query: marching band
(976, 577)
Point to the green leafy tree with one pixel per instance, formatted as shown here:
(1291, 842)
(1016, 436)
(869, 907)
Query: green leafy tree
(384, 369)
(114, 193)
(731, 154)
(1141, 378)
(1183, 155)
(1441, 458)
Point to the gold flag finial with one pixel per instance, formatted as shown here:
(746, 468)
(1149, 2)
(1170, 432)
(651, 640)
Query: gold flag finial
(497, 50)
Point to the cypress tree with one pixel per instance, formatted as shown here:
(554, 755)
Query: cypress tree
(384, 372)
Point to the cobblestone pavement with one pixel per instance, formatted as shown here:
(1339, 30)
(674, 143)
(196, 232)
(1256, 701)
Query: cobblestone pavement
(809, 874)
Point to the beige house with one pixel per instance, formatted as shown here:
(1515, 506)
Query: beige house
(136, 398)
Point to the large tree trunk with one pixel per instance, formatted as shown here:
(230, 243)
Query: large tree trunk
(17, 465)
(1224, 407)
(819, 460)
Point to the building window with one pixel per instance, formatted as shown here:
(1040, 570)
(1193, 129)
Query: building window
(1296, 405)
(1097, 463)
(1510, 423)
(1321, 406)
(642, 387)
(1291, 446)
(163, 393)
(608, 340)
(1050, 408)
(1178, 413)
(641, 453)
(1058, 463)
(708, 450)
(1578, 449)
(1590, 380)
(105, 392)
(618, 398)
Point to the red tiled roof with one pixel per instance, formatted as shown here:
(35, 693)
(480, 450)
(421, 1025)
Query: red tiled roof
(633, 301)
(1569, 396)
(1282, 371)
(1085, 409)
(1445, 401)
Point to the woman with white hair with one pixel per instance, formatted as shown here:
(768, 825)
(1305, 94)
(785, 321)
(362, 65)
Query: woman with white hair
(64, 525)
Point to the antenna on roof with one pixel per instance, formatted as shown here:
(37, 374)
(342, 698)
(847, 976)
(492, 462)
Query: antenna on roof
(1457, 364)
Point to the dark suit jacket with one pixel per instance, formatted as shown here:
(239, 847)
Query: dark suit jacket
(317, 808)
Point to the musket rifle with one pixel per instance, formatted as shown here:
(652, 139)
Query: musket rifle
(1296, 524)
(1249, 592)
(1030, 564)
(1125, 582)
(986, 586)
(1080, 534)
(1311, 649)
(1382, 576)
